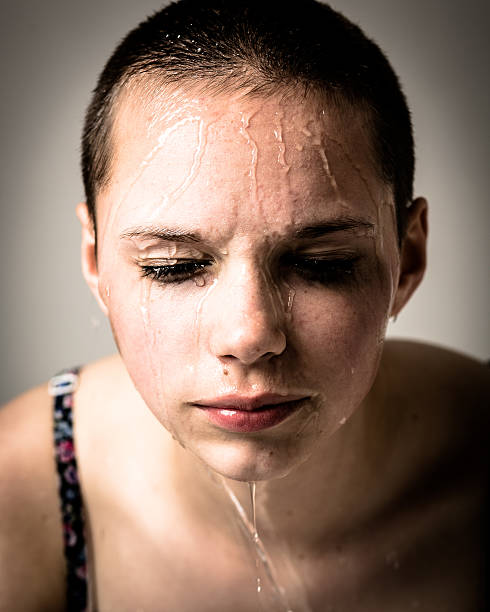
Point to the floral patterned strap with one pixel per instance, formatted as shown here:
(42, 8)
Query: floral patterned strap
(62, 387)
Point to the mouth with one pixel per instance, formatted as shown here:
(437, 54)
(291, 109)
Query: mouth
(250, 414)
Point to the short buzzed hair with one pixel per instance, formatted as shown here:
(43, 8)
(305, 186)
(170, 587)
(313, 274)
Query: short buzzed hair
(260, 47)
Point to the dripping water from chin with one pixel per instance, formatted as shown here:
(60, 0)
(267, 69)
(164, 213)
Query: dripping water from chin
(255, 535)
(263, 560)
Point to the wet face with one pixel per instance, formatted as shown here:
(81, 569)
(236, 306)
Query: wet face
(248, 262)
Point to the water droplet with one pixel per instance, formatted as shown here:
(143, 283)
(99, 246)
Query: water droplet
(199, 281)
(171, 253)
(392, 559)
(342, 421)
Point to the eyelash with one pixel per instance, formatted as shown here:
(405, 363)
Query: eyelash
(175, 273)
(326, 271)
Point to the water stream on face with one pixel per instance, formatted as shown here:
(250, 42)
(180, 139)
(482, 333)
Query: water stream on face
(289, 305)
(254, 151)
(262, 559)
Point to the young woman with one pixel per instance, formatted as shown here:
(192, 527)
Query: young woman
(249, 229)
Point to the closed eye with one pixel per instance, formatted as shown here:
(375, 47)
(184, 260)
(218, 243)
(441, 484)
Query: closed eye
(178, 271)
(327, 270)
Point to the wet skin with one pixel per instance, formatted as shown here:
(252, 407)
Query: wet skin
(380, 502)
(246, 247)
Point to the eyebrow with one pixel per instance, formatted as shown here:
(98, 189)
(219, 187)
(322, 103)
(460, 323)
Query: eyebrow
(340, 224)
(163, 234)
(316, 230)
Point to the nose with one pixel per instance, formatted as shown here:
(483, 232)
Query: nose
(249, 320)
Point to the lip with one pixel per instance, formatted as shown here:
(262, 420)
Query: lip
(245, 414)
(247, 402)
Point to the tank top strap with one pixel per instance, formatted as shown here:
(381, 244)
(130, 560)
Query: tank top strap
(62, 387)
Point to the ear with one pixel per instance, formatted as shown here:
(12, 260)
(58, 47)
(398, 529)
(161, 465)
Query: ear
(88, 253)
(413, 254)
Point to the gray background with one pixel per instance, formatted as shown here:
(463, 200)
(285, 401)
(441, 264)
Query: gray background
(51, 53)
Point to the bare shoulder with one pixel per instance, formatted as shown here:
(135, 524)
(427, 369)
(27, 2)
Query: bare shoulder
(439, 377)
(104, 396)
(436, 405)
(438, 401)
(102, 380)
(31, 554)
(439, 358)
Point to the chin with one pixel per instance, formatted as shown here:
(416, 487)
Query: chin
(252, 460)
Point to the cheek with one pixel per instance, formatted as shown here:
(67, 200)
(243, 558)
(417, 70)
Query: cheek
(340, 337)
(157, 341)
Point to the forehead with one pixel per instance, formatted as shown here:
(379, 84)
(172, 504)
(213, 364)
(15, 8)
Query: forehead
(178, 156)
